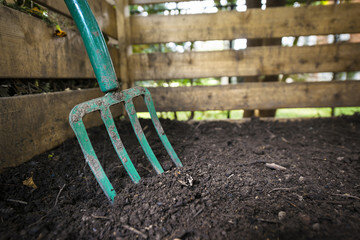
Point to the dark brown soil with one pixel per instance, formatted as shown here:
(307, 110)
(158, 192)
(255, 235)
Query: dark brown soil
(233, 195)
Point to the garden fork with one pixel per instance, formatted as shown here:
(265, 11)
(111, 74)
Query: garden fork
(106, 77)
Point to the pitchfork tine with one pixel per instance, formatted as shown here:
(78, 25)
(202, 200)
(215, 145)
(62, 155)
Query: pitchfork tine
(160, 131)
(89, 153)
(130, 109)
(118, 145)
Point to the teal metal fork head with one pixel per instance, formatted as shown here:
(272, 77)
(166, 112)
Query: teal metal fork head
(103, 104)
(104, 71)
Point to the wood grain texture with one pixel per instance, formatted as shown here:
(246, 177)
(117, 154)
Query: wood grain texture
(268, 60)
(143, 2)
(103, 11)
(33, 124)
(256, 96)
(254, 23)
(29, 49)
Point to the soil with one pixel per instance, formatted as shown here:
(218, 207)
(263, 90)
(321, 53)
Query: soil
(224, 191)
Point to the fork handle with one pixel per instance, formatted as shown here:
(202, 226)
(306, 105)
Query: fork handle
(94, 43)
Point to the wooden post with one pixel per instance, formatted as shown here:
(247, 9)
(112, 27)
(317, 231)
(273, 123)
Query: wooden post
(252, 43)
(123, 32)
(263, 42)
(271, 42)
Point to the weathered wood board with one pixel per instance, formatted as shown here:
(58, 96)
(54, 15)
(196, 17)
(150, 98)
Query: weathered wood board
(254, 23)
(103, 11)
(29, 49)
(256, 95)
(268, 60)
(32, 124)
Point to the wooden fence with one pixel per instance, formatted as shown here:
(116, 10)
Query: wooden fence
(32, 124)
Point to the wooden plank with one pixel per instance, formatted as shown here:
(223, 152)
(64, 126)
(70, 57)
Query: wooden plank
(103, 11)
(268, 60)
(256, 95)
(125, 49)
(29, 49)
(254, 23)
(143, 2)
(33, 124)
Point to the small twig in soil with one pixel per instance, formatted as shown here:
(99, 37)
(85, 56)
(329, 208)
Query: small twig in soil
(182, 183)
(200, 123)
(146, 168)
(40, 219)
(230, 176)
(198, 212)
(100, 217)
(272, 136)
(119, 166)
(301, 198)
(58, 195)
(17, 201)
(6, 210)
(347, 196)
(293, 205)
(275, 166)
(282, 189)
(134, 230)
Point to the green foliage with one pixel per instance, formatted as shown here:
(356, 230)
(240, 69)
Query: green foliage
(315, 112)
(32, 8)
(237, 114)
(345, 76)
(306, 2)
(149, 9)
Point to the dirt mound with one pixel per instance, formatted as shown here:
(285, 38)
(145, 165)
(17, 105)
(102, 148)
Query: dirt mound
(224, 191)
